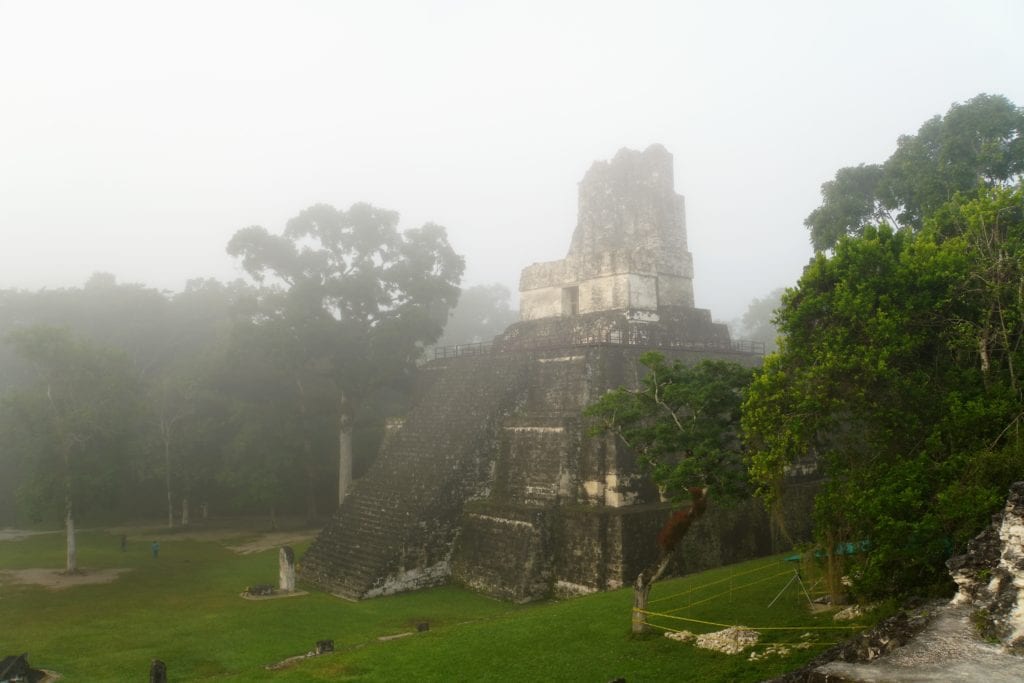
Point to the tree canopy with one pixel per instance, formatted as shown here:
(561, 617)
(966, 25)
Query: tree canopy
(353, 300)
(682, 423)
(899, 368)
(978, 143)
(239, 393)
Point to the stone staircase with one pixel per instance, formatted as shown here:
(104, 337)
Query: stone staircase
(395, 529)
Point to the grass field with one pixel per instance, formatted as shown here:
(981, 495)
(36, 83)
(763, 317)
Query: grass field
(185, 609)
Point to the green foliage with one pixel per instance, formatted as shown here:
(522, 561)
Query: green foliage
(849, 202)
(899, 368)
(72, 429)
(681, 422)
(346, 305)
(979, 143)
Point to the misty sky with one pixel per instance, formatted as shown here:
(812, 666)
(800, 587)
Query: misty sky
(137, 137)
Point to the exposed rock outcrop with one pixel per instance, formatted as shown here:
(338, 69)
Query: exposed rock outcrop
(991, 575)
(941, 642)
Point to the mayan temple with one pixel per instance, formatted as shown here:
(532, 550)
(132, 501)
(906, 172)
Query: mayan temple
(491, 480)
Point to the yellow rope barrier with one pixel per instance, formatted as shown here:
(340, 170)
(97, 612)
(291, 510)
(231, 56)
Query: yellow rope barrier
(672, 616)
(663, 628)
(736, 588)
(714, 583)
(668, 614)
(753, 628)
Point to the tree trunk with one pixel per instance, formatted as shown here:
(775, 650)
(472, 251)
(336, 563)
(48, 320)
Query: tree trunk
(344, 463)
(307, 454)
(167, 470)
(668, 539)
(642, 591)
(344, 449)
(184, 511)
(273, 518)
(311, 512)
(71, 561)
(69, 527)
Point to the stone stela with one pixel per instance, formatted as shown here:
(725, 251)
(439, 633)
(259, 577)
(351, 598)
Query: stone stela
(286, 573)
(491, 479)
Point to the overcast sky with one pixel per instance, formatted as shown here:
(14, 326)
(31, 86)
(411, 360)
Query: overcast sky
(137, 137)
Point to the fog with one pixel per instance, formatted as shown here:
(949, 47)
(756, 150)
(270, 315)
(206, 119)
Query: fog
(136, 138)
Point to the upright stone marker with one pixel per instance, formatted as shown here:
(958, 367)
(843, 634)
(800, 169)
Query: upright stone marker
(157, 672)
(286, 558)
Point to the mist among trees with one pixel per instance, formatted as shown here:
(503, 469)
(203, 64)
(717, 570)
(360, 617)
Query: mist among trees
(121, 401)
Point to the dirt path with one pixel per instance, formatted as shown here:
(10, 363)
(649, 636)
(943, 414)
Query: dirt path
(55, 580)
(272, 540)
(254, 542)
(18, 534)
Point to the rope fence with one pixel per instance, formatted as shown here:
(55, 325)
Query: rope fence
(668, 612)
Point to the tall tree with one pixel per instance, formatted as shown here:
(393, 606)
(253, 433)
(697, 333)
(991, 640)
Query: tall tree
(682, 424)
(899, 368)
(979, 143)
(74, 424)
(357, 298)
(172, 403)
(269, 379)
(187, 409)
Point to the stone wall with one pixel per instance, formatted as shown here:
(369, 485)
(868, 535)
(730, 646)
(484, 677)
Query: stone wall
(569, 513)
(395, 529)
(677, 328)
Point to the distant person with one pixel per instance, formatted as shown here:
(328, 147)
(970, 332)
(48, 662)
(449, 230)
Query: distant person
(155, 548)
(124, 543)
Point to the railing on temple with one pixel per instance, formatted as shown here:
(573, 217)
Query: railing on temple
(641, 338)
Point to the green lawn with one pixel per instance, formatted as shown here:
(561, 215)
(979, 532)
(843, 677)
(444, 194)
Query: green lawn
(185, 609)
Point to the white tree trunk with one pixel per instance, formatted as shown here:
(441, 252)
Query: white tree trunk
(676, 528)
(167, 468)
(184, 512)
(344, 463)
(69, 527)
(344, 449)
(642, 592)
(640, 596)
